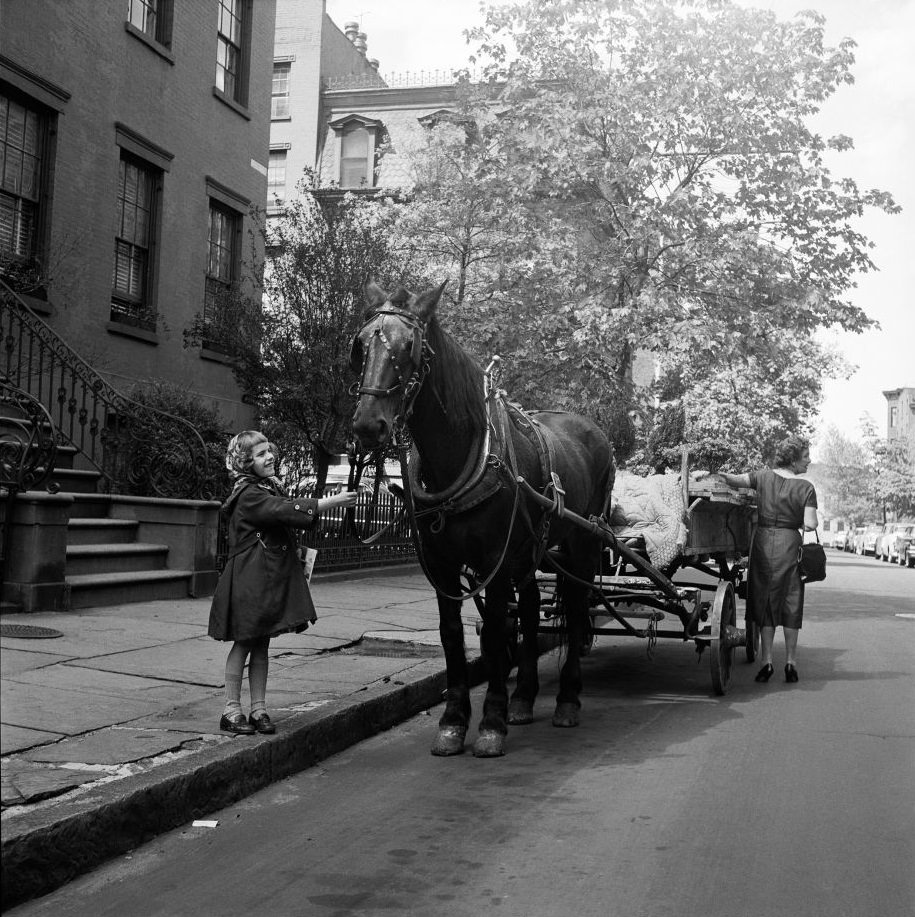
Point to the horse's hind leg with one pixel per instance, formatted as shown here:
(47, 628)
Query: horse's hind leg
(575, 606)
(521, 708)
(454, 721)
(494, 725)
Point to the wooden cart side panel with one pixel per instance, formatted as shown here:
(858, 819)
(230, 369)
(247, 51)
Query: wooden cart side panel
(719, 527)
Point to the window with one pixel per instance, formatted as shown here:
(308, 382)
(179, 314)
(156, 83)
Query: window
(276, 177)
(231, 49)
(354, 159)
(131, 300)
(152, 18)
(222, 271)
(22, 150)
(894, 415)
(280, 94)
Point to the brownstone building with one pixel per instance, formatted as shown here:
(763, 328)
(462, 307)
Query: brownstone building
(134, 137)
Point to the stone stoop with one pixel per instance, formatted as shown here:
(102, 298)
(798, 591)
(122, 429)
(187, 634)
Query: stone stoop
(107, 565)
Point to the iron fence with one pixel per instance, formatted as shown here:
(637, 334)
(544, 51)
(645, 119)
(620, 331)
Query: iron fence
(339, 536)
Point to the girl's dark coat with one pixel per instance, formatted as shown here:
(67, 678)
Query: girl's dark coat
(262, 590)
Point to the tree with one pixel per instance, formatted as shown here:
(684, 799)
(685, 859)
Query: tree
(290, 348)
(892, 463)
(657, 157)
(845, 485)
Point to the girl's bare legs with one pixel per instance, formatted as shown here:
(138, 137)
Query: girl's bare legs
(257, 676)
(235, 667)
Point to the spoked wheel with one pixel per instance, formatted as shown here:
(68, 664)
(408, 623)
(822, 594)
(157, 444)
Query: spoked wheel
(723, 635)
(753, 638)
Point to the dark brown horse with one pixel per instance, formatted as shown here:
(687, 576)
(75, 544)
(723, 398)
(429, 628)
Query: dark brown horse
(469, 447)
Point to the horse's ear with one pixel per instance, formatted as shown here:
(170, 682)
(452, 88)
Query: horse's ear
(424, 304)
(375, 297)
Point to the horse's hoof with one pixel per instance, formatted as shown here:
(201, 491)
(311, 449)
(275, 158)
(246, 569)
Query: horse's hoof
(449, 741)
(520, 712)
(489, 744)
(566, 715)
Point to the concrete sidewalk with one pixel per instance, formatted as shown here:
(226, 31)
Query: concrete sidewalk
(110, 730)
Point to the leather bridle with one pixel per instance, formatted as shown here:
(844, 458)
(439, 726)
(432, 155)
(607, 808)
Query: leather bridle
(410, 373)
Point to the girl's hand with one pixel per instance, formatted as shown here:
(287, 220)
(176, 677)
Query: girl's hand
(347, 498)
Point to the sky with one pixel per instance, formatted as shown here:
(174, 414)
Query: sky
(877, 111)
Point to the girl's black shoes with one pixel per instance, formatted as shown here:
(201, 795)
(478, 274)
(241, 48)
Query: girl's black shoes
(237, 725)
(790, 673)
(262, 724)
(765, 673)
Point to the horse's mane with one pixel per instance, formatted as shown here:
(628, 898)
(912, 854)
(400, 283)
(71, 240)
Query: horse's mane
(457, 379)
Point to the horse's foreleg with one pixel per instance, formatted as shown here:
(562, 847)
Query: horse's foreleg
(494, 725)
(521, 708)
(455, 720)
(576, 608)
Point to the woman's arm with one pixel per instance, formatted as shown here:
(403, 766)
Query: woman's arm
(735, 480)
(811, 521)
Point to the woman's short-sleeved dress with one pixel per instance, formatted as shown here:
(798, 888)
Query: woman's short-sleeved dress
(262, 591)
(775, 595)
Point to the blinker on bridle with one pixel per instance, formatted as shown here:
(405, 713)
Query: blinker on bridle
(420, 353)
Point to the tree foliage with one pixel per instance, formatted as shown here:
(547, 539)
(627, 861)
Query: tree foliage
(640, 174)
(290, 346)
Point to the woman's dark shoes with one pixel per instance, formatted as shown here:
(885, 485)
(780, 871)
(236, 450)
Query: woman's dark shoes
(790, 673)
(237, 725)
(262, 724)
(765, 673)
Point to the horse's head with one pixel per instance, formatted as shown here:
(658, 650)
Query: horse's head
(391, 355)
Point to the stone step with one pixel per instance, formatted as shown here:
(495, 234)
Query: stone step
(90, 506)
(96, 589)
(73, 480)
(114, 558)
(84, 531)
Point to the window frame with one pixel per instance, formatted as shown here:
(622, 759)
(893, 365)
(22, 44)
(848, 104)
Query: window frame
(29, 263)
(221, 200)
(161, 32)
(282, 155)
(240, 11)
(139, 311)
(276, 97)
(372, 128)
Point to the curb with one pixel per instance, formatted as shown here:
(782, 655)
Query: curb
(47, 848)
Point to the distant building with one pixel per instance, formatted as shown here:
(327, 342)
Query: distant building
(332, 110)
(135, 137)
(900, 414)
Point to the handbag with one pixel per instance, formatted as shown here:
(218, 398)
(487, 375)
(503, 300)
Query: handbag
(811, 558)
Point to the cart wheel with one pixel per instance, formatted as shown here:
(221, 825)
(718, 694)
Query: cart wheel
(722, 632)
(753, 639)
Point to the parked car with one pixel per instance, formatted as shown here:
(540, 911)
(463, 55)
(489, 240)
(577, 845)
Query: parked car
(891, 546)
(908, 554)
(839, 539)
(869, 538)
(883, 539)
(854, 539)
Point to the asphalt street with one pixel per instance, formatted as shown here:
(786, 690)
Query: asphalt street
(667, 800)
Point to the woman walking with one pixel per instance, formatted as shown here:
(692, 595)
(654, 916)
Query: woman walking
(786, 506)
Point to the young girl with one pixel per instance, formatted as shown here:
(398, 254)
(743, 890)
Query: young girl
(262, 591)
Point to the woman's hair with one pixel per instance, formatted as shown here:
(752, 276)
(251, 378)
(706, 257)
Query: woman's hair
(789, 450)
(239, 454)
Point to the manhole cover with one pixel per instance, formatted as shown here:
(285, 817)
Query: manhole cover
(28, 632)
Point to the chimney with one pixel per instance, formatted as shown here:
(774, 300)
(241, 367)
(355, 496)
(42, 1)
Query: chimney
(351, 30)
(360, 42)
(373, 63)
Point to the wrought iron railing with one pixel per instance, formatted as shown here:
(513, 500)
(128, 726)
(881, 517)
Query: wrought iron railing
(27, 454)
(339, 537)
(137, 449)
